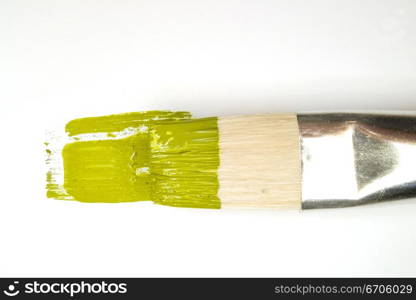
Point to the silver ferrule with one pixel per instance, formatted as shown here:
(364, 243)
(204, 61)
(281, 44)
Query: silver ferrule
(350, 159)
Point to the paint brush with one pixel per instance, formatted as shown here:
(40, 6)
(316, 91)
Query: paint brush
(287, 161)
(276, 161)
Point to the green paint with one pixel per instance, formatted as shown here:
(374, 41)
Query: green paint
(184, 159)
(119, 122)
(110, 169)
(105, 171)
(160, 156)
(53, 190)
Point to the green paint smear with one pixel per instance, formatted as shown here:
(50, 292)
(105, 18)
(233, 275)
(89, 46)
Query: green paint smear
(184, 160)
(109, 170)
(169, 159)
(120, 122)
(53, 190)
(106, 171)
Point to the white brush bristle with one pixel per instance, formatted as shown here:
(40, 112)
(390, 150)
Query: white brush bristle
(260, 164)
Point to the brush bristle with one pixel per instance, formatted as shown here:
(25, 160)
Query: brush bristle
(260, 161)
(245, 161)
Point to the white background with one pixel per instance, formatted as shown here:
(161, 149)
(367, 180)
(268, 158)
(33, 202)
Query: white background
(65, 59)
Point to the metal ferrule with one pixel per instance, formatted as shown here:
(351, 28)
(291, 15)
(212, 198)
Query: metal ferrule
(350, 159)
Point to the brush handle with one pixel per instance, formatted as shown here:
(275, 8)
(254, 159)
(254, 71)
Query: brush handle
(353, 159)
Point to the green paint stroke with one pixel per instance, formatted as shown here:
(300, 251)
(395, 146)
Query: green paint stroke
(119, 122)
(110, 169)
(184, 159)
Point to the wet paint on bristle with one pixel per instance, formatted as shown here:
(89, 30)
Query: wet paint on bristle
(184, 160)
